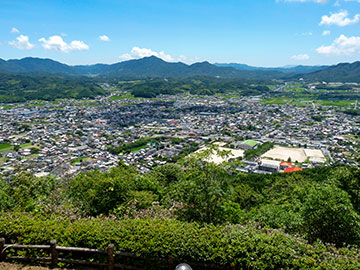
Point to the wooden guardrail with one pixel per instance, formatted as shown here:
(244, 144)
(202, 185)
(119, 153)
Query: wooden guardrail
(53, 260)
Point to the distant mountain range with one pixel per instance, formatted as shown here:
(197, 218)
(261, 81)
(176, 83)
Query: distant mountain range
(140, 68)
(343, 72)
(286, 69)
(156, 67)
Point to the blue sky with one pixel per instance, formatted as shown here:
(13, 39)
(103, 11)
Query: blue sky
(254, 32)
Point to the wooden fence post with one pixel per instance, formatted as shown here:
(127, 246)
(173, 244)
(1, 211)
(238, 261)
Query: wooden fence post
(171, 260)
(111, 259)
(54, 254)
(2, 249)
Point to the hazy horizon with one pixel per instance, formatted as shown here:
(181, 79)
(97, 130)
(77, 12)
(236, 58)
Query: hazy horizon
(214, 63)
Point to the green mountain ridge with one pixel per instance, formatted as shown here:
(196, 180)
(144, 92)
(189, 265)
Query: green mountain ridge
(18, 88)
(344, 72)
(285, 69)
(155, 67)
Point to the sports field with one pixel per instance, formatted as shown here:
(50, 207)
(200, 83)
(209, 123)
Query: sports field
(295, 154)
(218, 159)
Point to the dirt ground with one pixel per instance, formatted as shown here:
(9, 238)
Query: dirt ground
(11, 266)
(284, 153)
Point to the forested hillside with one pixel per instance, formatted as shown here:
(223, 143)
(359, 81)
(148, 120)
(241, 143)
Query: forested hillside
(195, 211)
(16, 88)
(345, 72)
(197, 85)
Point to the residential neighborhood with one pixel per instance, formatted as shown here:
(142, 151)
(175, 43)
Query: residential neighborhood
(68, 136)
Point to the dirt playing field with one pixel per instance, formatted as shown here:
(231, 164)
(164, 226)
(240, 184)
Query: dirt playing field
(295, 154)
(284, 153)
(315, 155)
(217, 159)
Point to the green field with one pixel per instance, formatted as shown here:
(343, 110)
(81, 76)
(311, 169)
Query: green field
(36, 103)
(307, 102)
(252, 143)
(122, 97)
(278, 101)
(4, 147)
(338, 103)
(8, 107)
(138, 148)
(79, 160)
(26, 145)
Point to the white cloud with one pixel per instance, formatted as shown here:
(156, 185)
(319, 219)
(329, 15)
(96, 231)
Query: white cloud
(22, 43)
(56, 43)
(306, 34)
(14, 30)
(326, 33)
(104, 38)
(300, 57)
(137, 53)
(303, 1)
(341, 46)
(337, 3)
(340, 19)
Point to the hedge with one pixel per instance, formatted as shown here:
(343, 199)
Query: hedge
(250, 247)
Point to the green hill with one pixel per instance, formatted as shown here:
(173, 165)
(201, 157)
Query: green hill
(344, 72)
(17, 88)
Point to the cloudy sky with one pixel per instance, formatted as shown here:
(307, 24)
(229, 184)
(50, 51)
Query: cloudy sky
(254, 32)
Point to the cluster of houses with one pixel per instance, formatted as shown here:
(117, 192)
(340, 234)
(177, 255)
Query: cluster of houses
(73, 136)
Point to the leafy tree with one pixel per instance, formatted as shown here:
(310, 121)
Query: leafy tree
(168, 173)
(329, 216)
(26, 190)
(99, 193)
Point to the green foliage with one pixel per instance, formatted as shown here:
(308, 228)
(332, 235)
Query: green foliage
(316, 204)
(34, 150)
(261, 149)
(329, 215)
(249, 247)
(202, 190)
(344, 72)
(7, 201)
(199, 86)
(99, 193)
(25, 191)
(16, 88)
(353, 112)
(318, 118)
(134, 145)
(167, 174)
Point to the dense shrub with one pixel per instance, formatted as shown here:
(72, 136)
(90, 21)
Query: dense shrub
(99, 193)
(249, 247)
(329, 215)
(316, 204)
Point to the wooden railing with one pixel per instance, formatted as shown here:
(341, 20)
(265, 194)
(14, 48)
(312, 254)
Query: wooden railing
(53, 260)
